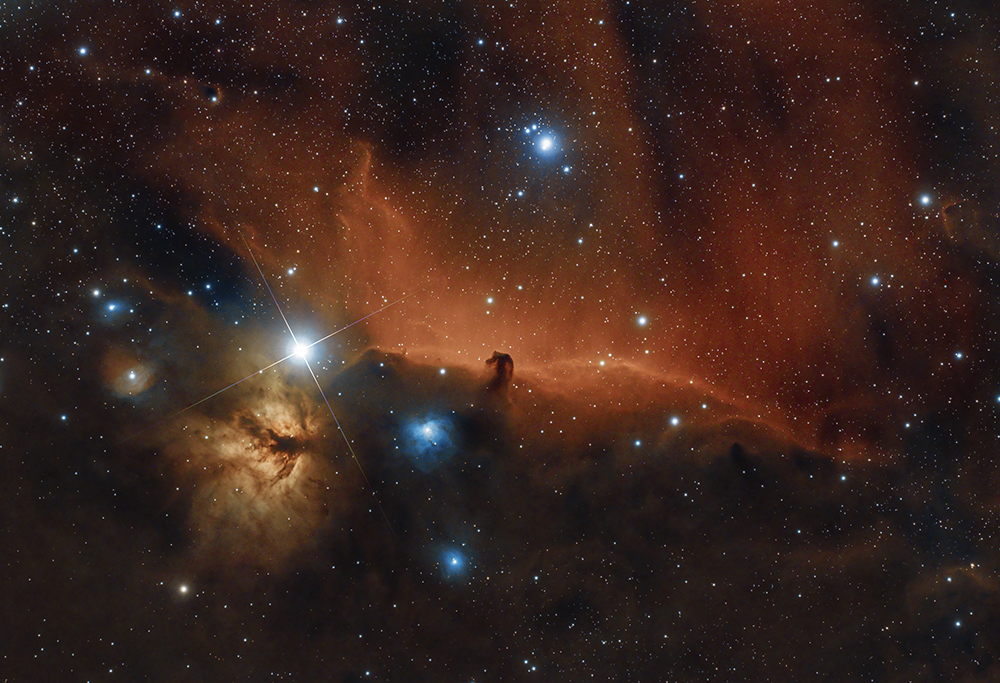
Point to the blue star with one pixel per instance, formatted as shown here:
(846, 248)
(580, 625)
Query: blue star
(453, 564)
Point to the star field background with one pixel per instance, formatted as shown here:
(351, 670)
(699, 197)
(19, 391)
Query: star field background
(666, 350)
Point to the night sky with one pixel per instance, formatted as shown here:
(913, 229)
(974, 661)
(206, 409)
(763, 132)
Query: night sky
(472, 342)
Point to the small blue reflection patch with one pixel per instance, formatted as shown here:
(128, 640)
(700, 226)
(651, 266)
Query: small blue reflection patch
(429, 442)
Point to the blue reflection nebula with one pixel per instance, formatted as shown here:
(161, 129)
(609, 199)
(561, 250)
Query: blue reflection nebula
(453, 564)
(429, 442)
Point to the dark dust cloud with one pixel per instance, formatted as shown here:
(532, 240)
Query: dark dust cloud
(633, 341)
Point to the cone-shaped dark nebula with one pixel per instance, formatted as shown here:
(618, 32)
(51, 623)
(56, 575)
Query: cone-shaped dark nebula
(481, 342)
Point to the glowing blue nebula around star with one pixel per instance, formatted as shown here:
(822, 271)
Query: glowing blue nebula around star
(429, 442)
(454, 563)
(546, 145)
(113, 312)
(545, 142)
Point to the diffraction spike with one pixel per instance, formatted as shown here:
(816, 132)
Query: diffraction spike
(322, 393)
(336, 420)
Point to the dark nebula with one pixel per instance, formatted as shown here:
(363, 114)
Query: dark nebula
(268, 268)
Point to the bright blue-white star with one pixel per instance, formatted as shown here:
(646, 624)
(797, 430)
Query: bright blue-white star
(301, 349)
(453, 563)
(545, 142)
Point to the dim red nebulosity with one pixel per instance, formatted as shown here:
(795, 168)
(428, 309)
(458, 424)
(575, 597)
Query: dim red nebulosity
(751, 195)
